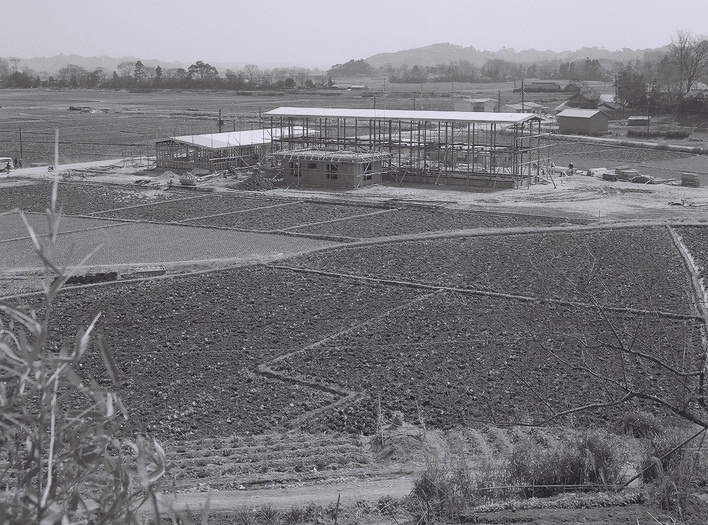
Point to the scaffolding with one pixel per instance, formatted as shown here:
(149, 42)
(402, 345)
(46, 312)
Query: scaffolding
(450, 147)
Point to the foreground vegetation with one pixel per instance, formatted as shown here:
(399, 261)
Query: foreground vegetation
(448, 348)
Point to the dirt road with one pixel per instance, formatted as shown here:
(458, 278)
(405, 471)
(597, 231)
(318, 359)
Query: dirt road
(285, 498)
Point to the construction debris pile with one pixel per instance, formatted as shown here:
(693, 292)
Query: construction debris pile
(256, 182)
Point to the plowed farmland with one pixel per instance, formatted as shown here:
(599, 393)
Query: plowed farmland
(188, 348)
(455, 359)
(420, 220)
(633, 267)
(188, 207)
(271, 373)
(79, 199)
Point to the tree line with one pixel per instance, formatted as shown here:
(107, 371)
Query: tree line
(661, 81)
(132, 75)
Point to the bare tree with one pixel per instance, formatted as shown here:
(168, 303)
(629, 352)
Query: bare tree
(15, 63)
(251, 71)
(689, 54)
(126, 69)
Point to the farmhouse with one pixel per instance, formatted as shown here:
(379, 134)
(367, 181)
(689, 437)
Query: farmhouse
(215, 151)
(582, 121)
(449, 147)
(477, 104)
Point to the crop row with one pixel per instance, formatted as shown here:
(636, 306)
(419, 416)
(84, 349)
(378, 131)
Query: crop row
(78, 199)
(292, 443)
(455, 359)
(408, 220)
(637, 267)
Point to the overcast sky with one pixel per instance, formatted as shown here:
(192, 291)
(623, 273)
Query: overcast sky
(327, 32)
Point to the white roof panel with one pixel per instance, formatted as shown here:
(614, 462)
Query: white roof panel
(579, 113)
(392, 114)
(232, 139)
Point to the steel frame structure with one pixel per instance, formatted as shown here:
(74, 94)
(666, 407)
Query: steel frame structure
(430, 145)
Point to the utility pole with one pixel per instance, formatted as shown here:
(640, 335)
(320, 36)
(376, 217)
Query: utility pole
(523, 108)
(221, 122)
(20, 143)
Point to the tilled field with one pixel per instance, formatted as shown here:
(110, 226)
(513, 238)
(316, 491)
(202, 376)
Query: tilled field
(455, 359)
(187, 347)
(294, 215)
(420, 220)
(189, 206)
(631, 267)
(79, 199)
(611, 153)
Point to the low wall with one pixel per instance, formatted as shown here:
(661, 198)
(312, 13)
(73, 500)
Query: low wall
(453, 179)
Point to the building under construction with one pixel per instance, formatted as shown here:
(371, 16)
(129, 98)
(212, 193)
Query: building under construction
(216, 151)
(314, 146)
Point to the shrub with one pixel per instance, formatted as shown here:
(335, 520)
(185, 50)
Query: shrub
(63, 459)
(449, 486)
(674, 467)
(654, 134)
(640, 425)
(584, 460)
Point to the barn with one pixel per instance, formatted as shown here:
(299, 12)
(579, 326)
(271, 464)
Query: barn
(337, 169)
(215, 151)
(582, 121)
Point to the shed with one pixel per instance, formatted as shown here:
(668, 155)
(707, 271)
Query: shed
(340, 168)
(477, 104)
(639, 120)
(583, 121)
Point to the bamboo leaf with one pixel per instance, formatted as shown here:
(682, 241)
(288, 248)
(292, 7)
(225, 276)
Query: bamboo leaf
(108, 361)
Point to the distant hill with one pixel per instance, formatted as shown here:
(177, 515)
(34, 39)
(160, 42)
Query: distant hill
(436, 54)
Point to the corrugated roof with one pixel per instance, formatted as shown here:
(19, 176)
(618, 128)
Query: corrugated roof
(231, 139)
(579, 113)
(416, 115)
